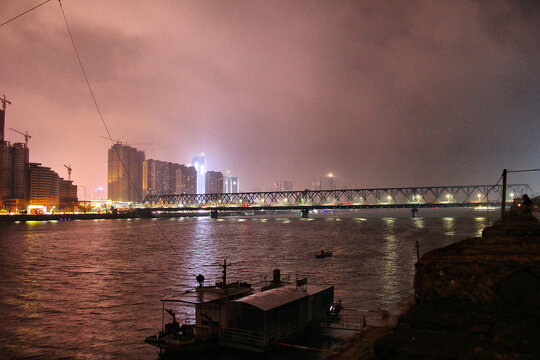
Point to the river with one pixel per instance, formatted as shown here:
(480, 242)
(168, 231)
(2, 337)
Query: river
(91, 289)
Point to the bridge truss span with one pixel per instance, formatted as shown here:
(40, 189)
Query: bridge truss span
(404, 197)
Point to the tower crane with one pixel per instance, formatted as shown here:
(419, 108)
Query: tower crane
(119, 142)
(25, 134)
(68, 167)
(4, 102)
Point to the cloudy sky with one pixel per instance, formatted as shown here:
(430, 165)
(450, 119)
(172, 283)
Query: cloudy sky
(380, 93)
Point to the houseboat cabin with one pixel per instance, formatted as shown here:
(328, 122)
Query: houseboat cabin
(265, 317)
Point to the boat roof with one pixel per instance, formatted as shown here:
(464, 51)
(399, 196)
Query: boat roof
(195, 297)
(273, 298)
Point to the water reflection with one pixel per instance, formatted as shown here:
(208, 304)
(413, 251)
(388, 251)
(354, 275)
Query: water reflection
(418, 222)
(448, 224)
(390, 266)
(92, 289)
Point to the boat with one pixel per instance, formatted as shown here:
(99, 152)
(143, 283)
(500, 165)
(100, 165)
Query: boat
(323, 254)
(243, 316)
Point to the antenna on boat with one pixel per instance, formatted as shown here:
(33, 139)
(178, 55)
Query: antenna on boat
(224, 271)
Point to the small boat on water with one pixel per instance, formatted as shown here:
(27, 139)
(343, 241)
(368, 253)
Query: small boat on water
(243, 316)
(323, 254)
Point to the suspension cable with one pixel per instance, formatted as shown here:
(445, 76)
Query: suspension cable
(23, 13)
(518, 171)
(107, 129)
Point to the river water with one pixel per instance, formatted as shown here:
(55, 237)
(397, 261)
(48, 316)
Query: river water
(91, 289)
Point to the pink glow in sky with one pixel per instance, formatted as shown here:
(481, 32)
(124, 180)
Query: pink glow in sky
(380, 93)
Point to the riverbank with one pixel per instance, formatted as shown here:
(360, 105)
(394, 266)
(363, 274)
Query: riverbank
(474, 299)
(94, 216)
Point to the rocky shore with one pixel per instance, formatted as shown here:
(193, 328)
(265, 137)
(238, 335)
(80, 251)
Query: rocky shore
(475, 299)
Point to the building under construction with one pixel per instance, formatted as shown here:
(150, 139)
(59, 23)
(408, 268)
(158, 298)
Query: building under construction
(23, 183)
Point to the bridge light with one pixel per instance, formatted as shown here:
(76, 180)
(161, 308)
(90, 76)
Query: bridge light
(479, 196)
(389, 197)
(511, 195)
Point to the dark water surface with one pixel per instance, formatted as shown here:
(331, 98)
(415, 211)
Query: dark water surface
(91, 289)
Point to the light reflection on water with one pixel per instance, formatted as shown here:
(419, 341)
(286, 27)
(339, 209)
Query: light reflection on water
(87, 289)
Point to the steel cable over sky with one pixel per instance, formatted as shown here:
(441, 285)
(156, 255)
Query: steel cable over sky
(23, 13)
(109, 133)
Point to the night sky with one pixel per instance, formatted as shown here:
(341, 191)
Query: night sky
(380, 93)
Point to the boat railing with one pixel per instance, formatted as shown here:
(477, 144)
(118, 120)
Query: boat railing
(240, 336)
(345, 320)
(259, 339)
(284, 330)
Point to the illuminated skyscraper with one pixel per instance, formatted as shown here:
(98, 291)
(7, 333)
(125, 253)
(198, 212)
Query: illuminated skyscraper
(186, 180)
(214, 182)
(231, 185)
(199, 163)
(125, 173)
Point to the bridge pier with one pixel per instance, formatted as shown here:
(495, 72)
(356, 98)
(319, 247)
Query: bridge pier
(305, 213)
(213, 214)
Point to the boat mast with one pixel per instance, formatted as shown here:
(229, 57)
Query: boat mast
(224, 271)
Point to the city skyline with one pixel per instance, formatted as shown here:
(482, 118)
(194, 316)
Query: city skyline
(378, 94)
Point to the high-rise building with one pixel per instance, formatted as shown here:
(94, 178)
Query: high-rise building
(283, 185)
(2, 123)
(159, 177)
(5, 170)
(214, 182)
(199, 163)
(231, 185)
(43, 186)
(125, 178)
(13, 173)
(68, 195)
(186, 180)
(19, 164)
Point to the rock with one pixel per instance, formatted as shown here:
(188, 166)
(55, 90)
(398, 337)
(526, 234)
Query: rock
(476, 299)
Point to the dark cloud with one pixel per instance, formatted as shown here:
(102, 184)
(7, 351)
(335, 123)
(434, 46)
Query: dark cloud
(381, 93)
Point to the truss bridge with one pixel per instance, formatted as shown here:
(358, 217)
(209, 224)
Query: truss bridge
(408, 197)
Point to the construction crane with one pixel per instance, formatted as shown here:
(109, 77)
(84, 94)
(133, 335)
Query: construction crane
(68, 167)
(25, 134)
(118, 142)
(4, 102)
